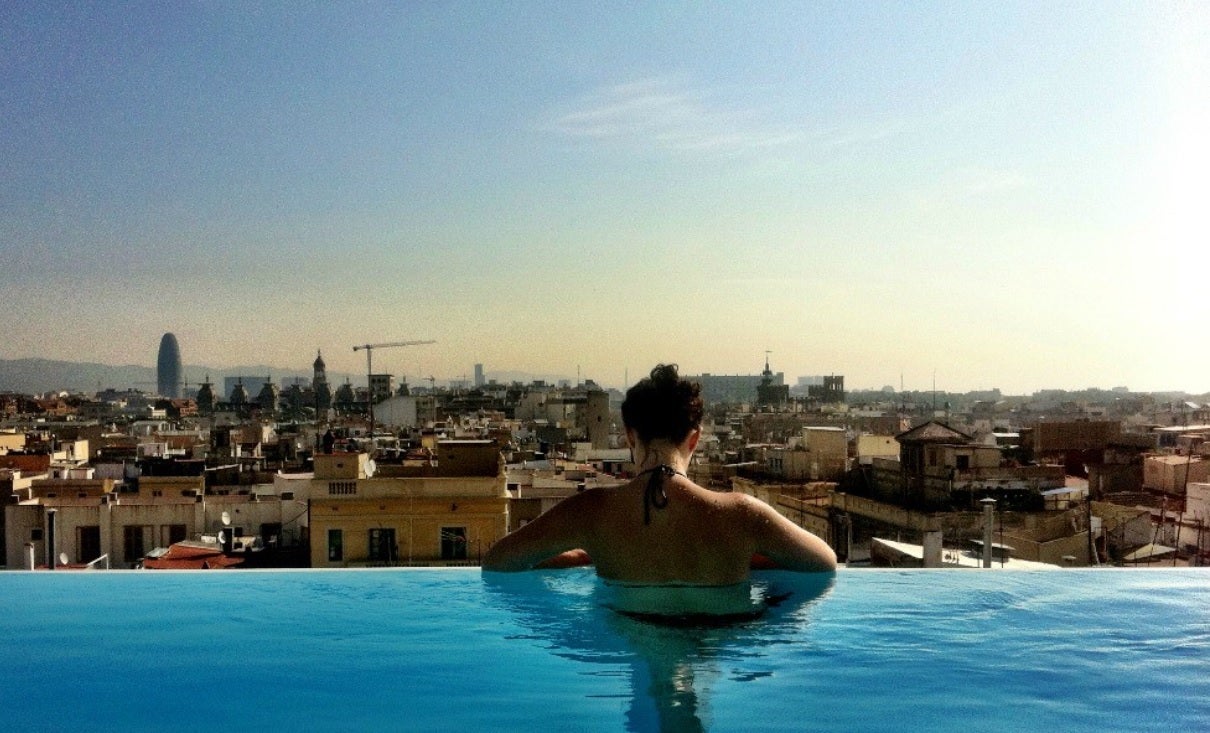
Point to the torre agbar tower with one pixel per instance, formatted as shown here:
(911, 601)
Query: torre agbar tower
(168, 367)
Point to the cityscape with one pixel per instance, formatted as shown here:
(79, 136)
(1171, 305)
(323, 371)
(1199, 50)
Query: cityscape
(256, 473)
(309, 306)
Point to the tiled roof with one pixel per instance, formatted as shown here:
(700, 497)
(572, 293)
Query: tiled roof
(933, 432)
(192, 557)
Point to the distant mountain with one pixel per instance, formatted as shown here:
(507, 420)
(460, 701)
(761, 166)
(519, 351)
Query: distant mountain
(35, 376)
(46, 375)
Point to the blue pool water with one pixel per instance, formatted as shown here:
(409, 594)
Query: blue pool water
(1071, 650)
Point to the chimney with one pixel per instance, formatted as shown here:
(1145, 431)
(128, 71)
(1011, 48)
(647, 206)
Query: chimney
(989, 509)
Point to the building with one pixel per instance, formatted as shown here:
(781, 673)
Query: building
(382, 386)
(236, 390)
(940, 468)
(206, 400)
(447, 514)
(734, 389)
(568, 415)
(1169, 476)
(770, 393)
(125, 521)
(830, 391)
(168, 367)
(870, 447)
(401, 411)
(268, 397)
(319, 383)
(1074, 444)
(819, 454)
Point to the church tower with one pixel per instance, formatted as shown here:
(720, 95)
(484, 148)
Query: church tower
(769, 393)
(323, 392)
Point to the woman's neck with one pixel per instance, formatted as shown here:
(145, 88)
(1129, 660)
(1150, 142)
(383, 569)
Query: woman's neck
(660, 453)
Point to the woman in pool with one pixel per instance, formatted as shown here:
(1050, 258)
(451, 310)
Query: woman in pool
(661, 528)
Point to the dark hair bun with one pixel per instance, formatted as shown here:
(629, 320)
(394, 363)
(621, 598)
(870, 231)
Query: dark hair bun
(663, 406)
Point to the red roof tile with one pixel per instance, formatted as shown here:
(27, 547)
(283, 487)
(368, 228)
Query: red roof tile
(191, 557)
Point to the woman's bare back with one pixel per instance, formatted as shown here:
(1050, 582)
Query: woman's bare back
(697, 537)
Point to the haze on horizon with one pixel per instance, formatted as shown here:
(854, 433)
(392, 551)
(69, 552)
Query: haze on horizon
(1001, 195)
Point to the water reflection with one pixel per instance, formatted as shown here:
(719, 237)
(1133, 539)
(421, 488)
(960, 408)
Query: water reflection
(672, 664)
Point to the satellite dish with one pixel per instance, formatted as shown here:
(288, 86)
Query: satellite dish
(62, 558)
(226, 518)
(371, 467)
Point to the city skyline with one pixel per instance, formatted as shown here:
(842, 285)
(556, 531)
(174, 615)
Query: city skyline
(969, 196)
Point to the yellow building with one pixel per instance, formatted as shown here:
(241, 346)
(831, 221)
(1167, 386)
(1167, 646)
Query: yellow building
(448, 517)
(11, 441)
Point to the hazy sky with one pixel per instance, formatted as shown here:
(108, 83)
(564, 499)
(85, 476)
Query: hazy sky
(1007, 195)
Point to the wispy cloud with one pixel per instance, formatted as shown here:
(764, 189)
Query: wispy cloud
(965, 185)
(658, 114)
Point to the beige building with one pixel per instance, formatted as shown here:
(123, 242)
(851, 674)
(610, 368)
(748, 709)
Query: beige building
(434, 515)
(1197, 502)
(583, 412)
(1171, 474)
(829, 448)
(96, 518)
(818, 454)
(11, 441)
(939, 466)
(870, 447)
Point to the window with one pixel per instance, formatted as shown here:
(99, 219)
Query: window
(963, 462)
(453, 543)
(88, 543)
(382, 545)
(336, 545)
(270, 533)
(170, 534)
(134, 545)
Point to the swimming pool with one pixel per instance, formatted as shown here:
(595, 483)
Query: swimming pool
(1071, 650)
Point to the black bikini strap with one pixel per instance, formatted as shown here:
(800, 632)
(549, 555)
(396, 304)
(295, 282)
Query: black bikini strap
(654, 495)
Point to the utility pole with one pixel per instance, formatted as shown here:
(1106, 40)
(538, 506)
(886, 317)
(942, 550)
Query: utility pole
(369, 349)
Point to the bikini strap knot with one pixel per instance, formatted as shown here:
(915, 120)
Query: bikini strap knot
(654, 495)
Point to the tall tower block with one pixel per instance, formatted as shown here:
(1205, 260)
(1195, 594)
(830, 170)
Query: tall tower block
(168, 367)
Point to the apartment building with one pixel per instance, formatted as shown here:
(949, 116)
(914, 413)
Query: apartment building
(445, 514)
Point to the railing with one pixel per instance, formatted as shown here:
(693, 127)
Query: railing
(93, 565)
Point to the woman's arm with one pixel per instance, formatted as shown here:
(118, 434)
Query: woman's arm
(787, 545)
(557, 531)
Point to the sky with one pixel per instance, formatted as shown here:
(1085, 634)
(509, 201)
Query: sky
(977, 195)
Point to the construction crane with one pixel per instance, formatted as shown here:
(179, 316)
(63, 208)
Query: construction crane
(369, 349)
